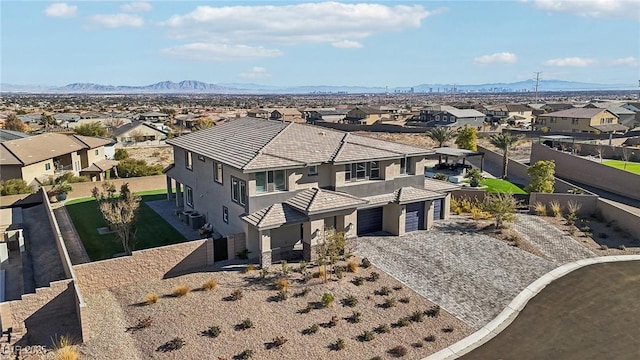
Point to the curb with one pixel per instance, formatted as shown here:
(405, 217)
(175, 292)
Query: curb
(509, 314)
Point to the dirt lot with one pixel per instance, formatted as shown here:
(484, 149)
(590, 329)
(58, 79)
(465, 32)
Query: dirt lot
(187, 317)
(162, 155)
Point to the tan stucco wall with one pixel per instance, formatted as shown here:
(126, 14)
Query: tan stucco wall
(583, 125)
(30, 172)
(391, 216)
(89, 157)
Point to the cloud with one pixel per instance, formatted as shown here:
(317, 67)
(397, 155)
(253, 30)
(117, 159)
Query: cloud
(62, 10)
(117, 20)
(346, 44)
(570, 62)
(328, 22)
(593, 8)
(627, 61)
(219, 52)
(497, 58)
(256, 73)
(136, 7)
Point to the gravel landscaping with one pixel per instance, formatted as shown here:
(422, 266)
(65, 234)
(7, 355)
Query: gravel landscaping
(115, 313)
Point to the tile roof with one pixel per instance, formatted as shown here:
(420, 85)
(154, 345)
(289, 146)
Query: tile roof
(6, 135)
(581, 113)
(465, 113)
(100, 166)
(92, 142)
(274, 216)
(41, 147)
(7, 158)
(440, 185)
(404, 195)
(316, 201)
(610, 127)
(132, 125)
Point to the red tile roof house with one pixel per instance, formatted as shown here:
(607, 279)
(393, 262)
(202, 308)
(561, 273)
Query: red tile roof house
(282, 184)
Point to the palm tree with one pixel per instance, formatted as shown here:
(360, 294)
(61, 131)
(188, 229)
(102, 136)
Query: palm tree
(441, 135)
(505, 142)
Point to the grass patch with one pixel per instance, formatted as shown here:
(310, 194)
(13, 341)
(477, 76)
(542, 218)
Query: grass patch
(633, 167)
(152, 230)
(501, 186)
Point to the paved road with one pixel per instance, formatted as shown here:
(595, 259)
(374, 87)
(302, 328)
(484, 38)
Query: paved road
(592, 313)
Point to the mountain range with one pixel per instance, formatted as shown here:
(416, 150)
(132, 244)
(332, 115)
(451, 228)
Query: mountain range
(199, 87)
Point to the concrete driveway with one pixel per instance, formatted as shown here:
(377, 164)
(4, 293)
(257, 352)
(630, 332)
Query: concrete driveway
(470, 275)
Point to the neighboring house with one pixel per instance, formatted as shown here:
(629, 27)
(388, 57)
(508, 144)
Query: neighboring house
(286, 114)
(453, 117)
(364, 115)
(153, 116)
(626, 116)
(6, 135)
(259, 113)
(139, 133)
(332, 116)
(581, 120)
(281, 183)
(39, 157)
(513, 114)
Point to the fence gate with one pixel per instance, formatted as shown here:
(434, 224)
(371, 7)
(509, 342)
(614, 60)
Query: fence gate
(220, 250)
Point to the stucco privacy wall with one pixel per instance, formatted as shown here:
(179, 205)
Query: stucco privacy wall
(589, 172)
(627, 220)
(143, 265)
(588, 203)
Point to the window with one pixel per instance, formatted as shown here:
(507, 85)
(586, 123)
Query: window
(270, 181)
(188, 160)
(47, 166)
(189, 195)
(313, 170)
(403, 166)
(406, 166)
(217, 172)
(347, 172)
(409, 168)
(362, 171)
(97, 152)
(225, 214)
(238, 191)
(374, 172)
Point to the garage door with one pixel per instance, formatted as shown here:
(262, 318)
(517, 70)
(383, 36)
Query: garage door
(414, 219)
(369, 220)
(437, 209)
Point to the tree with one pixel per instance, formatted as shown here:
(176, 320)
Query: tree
(113, 123)
(502, 206)
(47, 120)
(119, 211)
(542, 176)
(626, 155)
(91, 129)
(14, 187)
(14, 123)
(121, 154)
(204, 123)
(441, 135)
(331, 246)
(475, 176)
(505, 142)
(467, 137)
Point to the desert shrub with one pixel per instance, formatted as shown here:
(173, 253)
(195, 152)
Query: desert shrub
(353, 266)
(306, 309)
(466, 205)
(355, 317)
(339, 271)
(180, 291)
(365, 263)
(571, 231)
(374, 276)
(350, 301)
(479, 214)
(417, 344)
(70, 178)
(357, 281)
(171, 345)
(622, 247)
(14, 187)
(433, 311)
(397, 288)
(603, 235)
(322, 272)
(212, 332)
(604, 247)
(333, 322)
(249, 268)
(540, 208)
(571, 218)
(585, 229)
(282, 295)
(588, 234)
(245, 324)
(245, 354)
(121, 154)
(311, 330)
(389, 303)
(382, 329)
(555, 209)
(398, 351)
(128, 168)
(236, 295)
(65, 349)
(383, 291)
(327, 299)
(210, 284)
(285, 267)
(340, 344)
(367, 336)
(151, 298)
(303, 266)
(282, 284)
(573, 207)
(454, 205)
(402, 322)
(448, 329)
(404, 300)
(277, 342)
(142, 324)
(263, 273)
(430, 338)
(303, 293)
(417, 316)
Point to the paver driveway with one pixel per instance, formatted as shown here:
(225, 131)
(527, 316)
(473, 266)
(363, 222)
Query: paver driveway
(471, 275)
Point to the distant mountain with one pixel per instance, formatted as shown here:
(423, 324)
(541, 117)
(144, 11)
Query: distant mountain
(193, 86)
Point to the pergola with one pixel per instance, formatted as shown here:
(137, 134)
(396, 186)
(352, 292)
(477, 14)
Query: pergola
(463, 154)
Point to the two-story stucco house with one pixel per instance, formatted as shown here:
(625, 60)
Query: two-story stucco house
(364, 115)
(283, 183)
(581, 120)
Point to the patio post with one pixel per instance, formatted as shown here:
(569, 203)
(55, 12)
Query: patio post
(265, 248)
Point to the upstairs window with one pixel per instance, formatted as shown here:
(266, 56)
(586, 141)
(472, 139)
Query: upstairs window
(238, 191)
(313, 170)
(362, 171)
(406, 166)
(269, 181)
(217, 172)
(188, 195)
(188, 160)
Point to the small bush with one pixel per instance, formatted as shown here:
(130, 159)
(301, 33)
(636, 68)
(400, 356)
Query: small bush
(478, 214)
(237, 295)
(383, 291)
(171, 345)
(303, 266)
(303, 293)
(212, 332)
(585, 229)
(402, 322)
(263, 273)
(374, 276)
(540, 208)
(333, 322)
(367, 336)
(121, 154)
(433, 311)
(180, 291)
(398, 351)
(353, 266)
(340, 344)
(430, 338)
(365, 263)
(285, 268)
(338, 270)
(327, 299)
(382, 329)
(571, 231)
(417, 344)
(447, 329)
(306, 310)
(397, 288)
(277, 342)
(556, 210)
(282, 284)
(357, 281)
(311, 330)
(129, 168)
(65, 349)
(249, 268)
(245, 324)
(282, 295)
(14, 187)
(322, 272)
(622, 247)
(142, 324)
(417, 316)
(151, 298)
(604, 247)
(404, 300)
(246, 354)
(355, 317)
(389, 303)
(350, 301)
(210, 284)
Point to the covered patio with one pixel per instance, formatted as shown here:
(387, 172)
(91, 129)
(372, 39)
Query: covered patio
(452, 166)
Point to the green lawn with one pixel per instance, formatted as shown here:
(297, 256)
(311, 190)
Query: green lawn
(151, 229)
(633, 167)
(501, 186)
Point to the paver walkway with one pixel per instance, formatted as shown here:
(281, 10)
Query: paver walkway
(551, 241)
(472, 276)
(76, 250)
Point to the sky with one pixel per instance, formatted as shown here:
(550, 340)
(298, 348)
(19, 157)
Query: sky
(292, 43)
